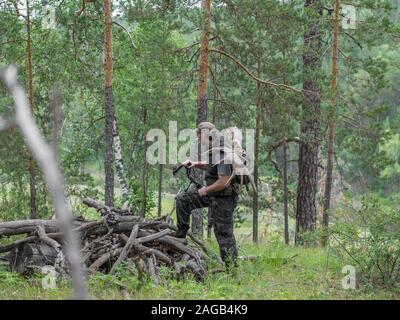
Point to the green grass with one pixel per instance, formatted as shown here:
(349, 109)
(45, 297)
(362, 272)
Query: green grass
(280, 272)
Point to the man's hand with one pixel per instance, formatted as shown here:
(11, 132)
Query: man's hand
(203, 191)
(193, 164)
(188, 164)
(220, 184)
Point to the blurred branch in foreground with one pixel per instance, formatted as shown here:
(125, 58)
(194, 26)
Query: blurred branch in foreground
(47, 161)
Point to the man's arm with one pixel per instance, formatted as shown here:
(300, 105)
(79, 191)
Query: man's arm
(218, 185)
(224, 174)
(200, 165)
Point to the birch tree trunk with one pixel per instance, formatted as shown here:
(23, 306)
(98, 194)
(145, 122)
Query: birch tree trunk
(119, 166)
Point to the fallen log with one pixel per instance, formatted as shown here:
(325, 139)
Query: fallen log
(13, 228)
(108, 242)
(59, 262)
(103, 209)
(128, 246)
(26, 255)
(146, 250)
(152, 270)
(103, 259)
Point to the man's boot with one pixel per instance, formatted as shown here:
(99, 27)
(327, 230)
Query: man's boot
(179, 234)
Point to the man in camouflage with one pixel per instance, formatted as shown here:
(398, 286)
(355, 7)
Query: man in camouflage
(219, 194)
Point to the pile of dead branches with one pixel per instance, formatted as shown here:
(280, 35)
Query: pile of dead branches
(107, 243)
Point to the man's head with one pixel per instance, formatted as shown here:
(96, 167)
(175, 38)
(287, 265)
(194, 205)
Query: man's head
(207, 133)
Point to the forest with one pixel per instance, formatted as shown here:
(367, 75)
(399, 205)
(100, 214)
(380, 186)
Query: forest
(99, 105)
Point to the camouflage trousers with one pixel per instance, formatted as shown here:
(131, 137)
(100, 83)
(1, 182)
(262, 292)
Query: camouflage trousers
(221, 215)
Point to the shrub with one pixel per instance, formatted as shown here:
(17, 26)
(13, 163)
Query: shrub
(370, 237)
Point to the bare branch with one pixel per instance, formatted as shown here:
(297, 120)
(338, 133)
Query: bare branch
(47, 161)
(276, 146)
(266, 82)
(128, 33)
(354, 39)
(127, 248)
(284, 141)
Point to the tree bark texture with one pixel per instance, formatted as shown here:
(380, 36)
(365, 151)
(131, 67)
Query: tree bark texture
(256, 164)
(119, 164)
(285, 195)
(331, 122)
(197, 215)
(108, 107)
(306, 211)
(31, 162)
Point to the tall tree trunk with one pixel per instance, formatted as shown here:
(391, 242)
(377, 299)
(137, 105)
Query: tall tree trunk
(285, 194)
(160, 180)
(268, 213)
(108, 107)
(145, 167)
(203, 63)
(321, 188)
(331, 123)
(119, 165)
(310, 128)
(144, 193)
(31, 163)
(256, 164)
(213, 120)
(197, 215)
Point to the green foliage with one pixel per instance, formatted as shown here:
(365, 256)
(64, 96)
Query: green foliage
(137, 199)
(392, 148)
(239, 216)
(370, 238)
(156, 82)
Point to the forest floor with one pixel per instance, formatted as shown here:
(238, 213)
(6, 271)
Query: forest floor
(280, 272)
